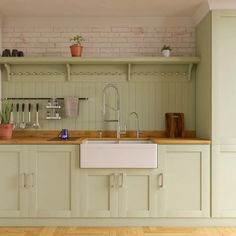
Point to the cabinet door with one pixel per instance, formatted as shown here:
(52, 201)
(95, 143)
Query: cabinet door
(185, 181)
(52, 172)
(13, 170)
(224, 181)
(137, 192)
(98, 193)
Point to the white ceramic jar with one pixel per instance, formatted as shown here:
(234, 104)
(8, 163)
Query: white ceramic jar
(166, 53)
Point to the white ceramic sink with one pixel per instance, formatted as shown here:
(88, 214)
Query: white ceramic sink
(118, 154)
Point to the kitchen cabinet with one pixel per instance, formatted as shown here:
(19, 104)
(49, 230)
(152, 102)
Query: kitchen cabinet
(46, 181)
(184, 183)
(224, 181)
(98, 193)
(52, 173)
(38, 180)
(223, 114)
(216, 104)
(137, 192)
(117, 192)
(13, 169)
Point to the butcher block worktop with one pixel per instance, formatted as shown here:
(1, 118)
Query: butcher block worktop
(77, 137)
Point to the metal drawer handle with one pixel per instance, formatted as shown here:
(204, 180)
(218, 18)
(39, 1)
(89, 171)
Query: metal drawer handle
(24, 180)
(121, 180)
(161, 180)
(32, 175)
(112, 180)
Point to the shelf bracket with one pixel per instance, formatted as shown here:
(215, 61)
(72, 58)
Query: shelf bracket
(68, 70)
(8, 69)
(190, 69)
(129, 72)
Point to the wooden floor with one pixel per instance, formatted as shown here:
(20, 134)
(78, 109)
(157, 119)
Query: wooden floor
(132, 231)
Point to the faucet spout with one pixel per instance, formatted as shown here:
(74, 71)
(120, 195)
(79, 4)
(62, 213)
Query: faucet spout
(137, 120)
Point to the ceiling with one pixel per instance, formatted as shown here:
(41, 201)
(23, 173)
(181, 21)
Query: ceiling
(100, 8)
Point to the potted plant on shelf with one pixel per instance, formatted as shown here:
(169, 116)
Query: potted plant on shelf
(76, 48)
(5, 116)
(166, 51)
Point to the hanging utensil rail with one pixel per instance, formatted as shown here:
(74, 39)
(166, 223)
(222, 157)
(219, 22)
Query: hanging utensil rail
(80, 99)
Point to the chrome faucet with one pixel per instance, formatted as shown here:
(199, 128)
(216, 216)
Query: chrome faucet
(137, 120)
(116, 109)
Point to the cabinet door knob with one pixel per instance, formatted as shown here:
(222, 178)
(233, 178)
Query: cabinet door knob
(161, 180)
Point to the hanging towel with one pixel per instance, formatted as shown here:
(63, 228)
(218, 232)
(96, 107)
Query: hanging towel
(71, 106)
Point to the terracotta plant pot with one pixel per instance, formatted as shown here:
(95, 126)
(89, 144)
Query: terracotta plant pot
(76, 50)
(6, 131)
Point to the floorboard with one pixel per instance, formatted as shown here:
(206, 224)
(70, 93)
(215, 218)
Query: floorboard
(123, 231)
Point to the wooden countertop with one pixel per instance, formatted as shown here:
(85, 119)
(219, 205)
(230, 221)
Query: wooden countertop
(36, 140)
(77, 141)
(50, 137)
(161, 140)
(181, 141)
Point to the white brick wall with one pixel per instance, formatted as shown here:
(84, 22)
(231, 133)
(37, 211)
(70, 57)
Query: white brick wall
(101, 41)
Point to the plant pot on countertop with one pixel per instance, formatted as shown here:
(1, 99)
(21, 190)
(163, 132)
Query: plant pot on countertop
(76, 50)
(6, 131)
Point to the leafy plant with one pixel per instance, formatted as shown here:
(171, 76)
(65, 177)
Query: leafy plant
(165, 47)
(5, 114)
(77, 39)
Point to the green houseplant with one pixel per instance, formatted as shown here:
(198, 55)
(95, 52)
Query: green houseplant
(166, 51)
(76, 48)
(5, 116)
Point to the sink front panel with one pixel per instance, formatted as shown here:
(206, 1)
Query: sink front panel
(119, 155)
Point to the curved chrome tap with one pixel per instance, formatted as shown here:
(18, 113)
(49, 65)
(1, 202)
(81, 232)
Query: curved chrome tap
(117, 108)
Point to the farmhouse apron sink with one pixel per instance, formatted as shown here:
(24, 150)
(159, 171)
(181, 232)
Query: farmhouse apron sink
(118, 154)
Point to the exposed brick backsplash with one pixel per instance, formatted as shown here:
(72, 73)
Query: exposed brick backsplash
(101, 41)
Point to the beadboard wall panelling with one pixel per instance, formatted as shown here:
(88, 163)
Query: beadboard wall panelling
(151, 95)
(109, 41)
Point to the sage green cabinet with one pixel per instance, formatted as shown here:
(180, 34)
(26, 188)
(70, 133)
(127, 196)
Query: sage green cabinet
(224, 181)
(52, 175)
(98, 194)
(13, 170)
(38, 180)
(215, 86)
(184, 183)
(117, 192)
(223, 114)
(137, 192)
(46, 181)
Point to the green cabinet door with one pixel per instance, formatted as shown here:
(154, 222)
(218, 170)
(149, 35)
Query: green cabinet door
(224, 181)
(13, 181)
(98, 193)
(184, 182)
(137, 192)
(52, 180)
